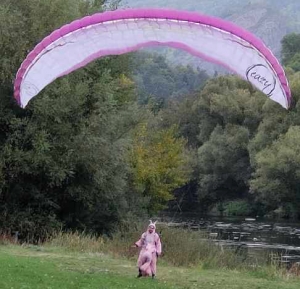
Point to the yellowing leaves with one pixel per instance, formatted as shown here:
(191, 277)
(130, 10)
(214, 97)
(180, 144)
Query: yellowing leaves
(159, 163)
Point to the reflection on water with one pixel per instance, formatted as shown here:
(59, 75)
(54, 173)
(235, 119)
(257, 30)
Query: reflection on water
(256, 237)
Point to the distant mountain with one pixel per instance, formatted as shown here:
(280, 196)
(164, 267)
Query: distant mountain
(270, 20)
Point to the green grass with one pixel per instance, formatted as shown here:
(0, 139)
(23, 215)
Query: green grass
(28, 268)
(51, 267)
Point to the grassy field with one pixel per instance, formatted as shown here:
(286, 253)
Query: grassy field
(31, 267)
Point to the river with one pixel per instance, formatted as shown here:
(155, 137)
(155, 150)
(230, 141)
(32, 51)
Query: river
(254, 236)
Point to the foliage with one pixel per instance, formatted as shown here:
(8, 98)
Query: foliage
(159, 163)
(233, 127)
(158, 81)
(291, 51)
(136, 132)
(25, 23)
(278, 167)
(184, 114)
(230, 114)
(270, 156)
(224, 163)
(76, 242)
(237, 208)
(60, 159)
(63, 163)
(181, 247)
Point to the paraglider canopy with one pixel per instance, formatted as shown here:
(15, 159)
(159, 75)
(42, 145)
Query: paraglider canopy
(112, 33)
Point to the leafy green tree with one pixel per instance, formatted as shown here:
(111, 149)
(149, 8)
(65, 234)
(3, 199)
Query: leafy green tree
(24, 23)
(291, 50)
(223, 164)
(228, 100)
(275, 120)
(72, 154)
(230, 113)
(183, 113)
(272, 134)
(277, 177)
(63, 158)
(294, 62)
(159, 81)
(218, 122)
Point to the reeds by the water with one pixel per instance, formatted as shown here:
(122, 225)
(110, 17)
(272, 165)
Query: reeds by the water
(181, 247)
(76, 241)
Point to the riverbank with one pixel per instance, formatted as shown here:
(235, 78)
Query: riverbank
(257, 236)
(56, 267)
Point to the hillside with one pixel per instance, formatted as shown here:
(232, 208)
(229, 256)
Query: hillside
(270, 20)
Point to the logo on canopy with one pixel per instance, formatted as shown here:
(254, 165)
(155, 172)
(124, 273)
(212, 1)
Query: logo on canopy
(262, 77)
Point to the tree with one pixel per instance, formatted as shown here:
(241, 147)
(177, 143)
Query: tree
(277, 177)
(291, 51)
(223, 164)
(158, 81)
(159, 164)
(25, 23)
(183, 113)
(218, 123)
(63, 163)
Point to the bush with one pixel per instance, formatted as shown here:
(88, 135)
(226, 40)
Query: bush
(77, 242)
(237, 208)
(181, 247)
(6, 239)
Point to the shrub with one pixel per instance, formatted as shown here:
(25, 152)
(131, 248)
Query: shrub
(77, 242)
(237, 208)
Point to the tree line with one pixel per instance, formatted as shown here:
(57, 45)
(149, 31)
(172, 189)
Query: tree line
(246, 146)
(118, 139)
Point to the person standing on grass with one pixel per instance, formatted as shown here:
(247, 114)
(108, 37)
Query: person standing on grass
(151, 248)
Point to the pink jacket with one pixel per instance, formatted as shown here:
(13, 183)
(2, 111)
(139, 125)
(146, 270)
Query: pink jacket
(150, 242)
(150, 248)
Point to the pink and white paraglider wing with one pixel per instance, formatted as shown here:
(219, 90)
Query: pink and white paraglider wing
(112, 33)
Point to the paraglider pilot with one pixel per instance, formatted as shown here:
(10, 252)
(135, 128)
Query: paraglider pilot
(150, 245)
